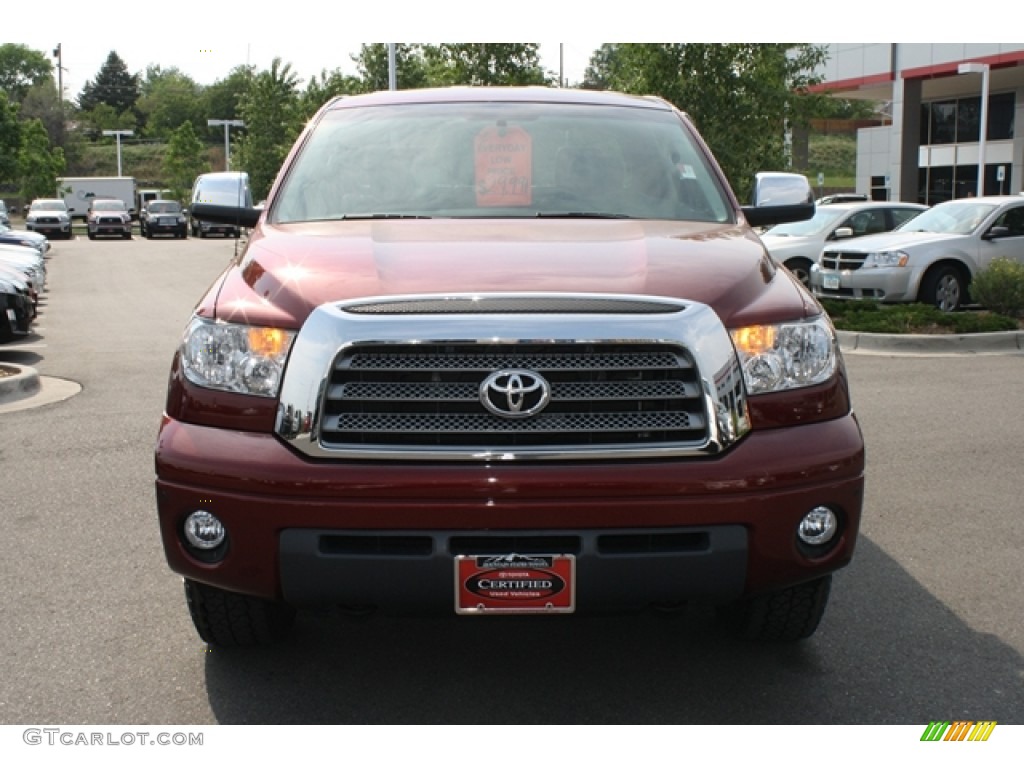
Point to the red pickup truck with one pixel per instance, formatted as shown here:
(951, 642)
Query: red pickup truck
(507, 351)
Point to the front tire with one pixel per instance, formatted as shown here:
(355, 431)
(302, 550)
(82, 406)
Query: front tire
(944, 287)
(234, 620)
(801, 269)
(786, 615)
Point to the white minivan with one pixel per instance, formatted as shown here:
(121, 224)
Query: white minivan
(226, 188)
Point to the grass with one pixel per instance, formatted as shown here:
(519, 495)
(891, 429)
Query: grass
(872, 317)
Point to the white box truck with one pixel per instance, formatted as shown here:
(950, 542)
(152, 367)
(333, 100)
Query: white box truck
(78, 192)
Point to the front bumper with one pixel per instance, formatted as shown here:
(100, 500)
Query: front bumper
(49, 228)
(110, 229)
(166, 228)
(891, 284)
(317, 533)
(210, 228)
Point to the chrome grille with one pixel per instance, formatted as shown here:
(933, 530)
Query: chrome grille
(842, 260)
(605, 394)
(589, 377)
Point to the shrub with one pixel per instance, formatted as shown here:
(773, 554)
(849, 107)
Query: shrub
(869, 316)
(1000, 287)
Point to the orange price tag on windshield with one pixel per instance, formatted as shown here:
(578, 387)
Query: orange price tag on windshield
(504, 164)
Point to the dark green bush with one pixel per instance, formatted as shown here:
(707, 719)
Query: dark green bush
(871, 317)
(1000, 287)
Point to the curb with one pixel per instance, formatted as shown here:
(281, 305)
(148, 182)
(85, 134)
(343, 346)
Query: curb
(24, 383)
(998, 343)
(27, 389)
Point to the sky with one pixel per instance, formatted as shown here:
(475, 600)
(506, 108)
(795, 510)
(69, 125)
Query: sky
(206, 40)
(82, 57)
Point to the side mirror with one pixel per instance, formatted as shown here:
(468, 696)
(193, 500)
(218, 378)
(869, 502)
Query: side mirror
(779, 198)
(842, 232)
(995, 233)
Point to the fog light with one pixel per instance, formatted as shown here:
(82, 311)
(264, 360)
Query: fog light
(818, 526)
(203, 530)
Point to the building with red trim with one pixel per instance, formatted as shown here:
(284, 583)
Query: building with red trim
(933, 96)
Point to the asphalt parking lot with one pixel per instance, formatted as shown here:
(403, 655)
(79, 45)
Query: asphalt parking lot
(924, 625)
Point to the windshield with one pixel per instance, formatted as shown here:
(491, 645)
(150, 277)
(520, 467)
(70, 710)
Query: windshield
(823, 220)
(955, 218)
(164, 208)
(108, 205)
(48, 205)
(500, 160)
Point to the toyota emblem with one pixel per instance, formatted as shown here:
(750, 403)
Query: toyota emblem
(515, 393)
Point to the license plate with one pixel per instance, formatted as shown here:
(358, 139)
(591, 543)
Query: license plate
(515, 584)
(830, 282)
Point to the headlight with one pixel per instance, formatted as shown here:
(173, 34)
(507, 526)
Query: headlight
(787, 355)
(235, 358)
(887, 259)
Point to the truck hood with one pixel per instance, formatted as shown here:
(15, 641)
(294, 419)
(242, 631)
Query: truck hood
(288, 270)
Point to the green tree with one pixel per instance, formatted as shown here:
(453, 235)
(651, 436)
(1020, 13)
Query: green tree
(21, 68)
(114, 85)
(330, 84)
(10, 139)
(39, 165)
(105, 117)
(183, 160)
(372, 65)
(41, 102)
(270, 108)
(168, 99)
(221, 100)
(600, 70)
(485, 64)
(742, 96)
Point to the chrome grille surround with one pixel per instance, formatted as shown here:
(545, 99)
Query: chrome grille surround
(657, 379)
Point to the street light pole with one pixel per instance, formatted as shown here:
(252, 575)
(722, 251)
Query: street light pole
(60, 75)
(119, 134)
(975, 67)
(228, 124)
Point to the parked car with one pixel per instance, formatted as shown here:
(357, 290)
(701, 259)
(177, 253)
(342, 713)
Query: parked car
(24, 275)
(225, 188)
(931, 259)
(162, 217)
(797, 245)
(16, 311)
(108, 217)
(507, 351)
(49, 216)
(28, 262)
(35, 240)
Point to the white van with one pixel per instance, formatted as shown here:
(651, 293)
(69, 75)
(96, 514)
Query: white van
(226, 188)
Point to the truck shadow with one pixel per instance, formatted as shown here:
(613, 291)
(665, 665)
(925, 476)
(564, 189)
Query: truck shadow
(887, 652)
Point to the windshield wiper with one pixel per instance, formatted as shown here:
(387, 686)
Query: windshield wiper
(352, 216)
(580, 215)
